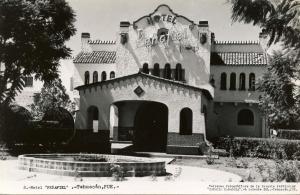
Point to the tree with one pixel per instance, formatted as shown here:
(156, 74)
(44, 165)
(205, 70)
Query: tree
(32, 40)
(279, 19)
(53, 95)
(281, 96)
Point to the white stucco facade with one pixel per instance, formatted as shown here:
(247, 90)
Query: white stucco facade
(171, 66)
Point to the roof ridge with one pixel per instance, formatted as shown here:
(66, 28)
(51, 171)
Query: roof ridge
(240, 42)
(102, 57)
(238, 52)
(99, 41)
(238, 58)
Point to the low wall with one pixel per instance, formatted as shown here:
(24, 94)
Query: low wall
(184, 144)
(132, 166)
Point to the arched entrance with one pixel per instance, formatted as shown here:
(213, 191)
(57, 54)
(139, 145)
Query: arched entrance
(151, 127)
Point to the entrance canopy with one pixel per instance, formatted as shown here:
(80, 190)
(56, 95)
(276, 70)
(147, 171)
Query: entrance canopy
(142, 87)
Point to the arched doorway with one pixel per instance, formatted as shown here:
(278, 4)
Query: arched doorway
(151, 127)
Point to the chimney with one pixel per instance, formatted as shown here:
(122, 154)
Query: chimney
(203, 23)
(85, 37)
(204, 33)
(124, 29)
(212, 38)
(124, 26)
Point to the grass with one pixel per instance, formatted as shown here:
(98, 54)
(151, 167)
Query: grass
(250, 169)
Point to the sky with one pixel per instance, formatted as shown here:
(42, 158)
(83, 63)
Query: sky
(101, 18)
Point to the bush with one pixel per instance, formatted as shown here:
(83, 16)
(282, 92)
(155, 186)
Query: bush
(209, 159)
(262, 147)
(284, 170)
(288, 134)
(61, 115)
(117, 172)
(15, 121)
(287, 171)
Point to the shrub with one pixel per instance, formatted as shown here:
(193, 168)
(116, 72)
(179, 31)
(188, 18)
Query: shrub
(262, 147)
(63, 117)
(288, 134)
(16, 120)
(117, 172)
(287, 171)
(242, 163)
(90, 158)
(209, 159)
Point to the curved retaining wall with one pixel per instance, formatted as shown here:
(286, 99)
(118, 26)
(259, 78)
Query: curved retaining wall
(46, 163)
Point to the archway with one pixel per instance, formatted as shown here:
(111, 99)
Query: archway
(186, 122)
(151, 127)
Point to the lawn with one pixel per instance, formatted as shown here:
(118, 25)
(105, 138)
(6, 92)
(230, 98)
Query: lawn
(250, 169)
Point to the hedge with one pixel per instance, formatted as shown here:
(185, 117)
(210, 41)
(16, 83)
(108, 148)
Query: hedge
(262, 147)
(288, 134)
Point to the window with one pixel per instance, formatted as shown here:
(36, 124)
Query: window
(242, 81)
(252, 82)
(178, 72)
(112, 75)
(167, 71)
(103, 76)
(186, 122)
(232, 81)
(245, 117)
(95, 77)
(145, 68)
(223, 81)
(156, 70)
(86, 77)
(28, 82)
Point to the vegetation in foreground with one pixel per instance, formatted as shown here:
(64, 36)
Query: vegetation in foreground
(251, 169)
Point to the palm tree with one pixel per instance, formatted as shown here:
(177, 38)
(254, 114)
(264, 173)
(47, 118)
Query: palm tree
(279, 19)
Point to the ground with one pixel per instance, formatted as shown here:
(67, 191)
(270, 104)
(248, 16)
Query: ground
(247, 168)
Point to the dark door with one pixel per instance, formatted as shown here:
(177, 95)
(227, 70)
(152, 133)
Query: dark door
(151, 127)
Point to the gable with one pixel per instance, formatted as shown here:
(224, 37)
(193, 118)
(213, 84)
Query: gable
(163, 81)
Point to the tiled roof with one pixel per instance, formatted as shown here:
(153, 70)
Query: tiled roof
(238, 58)
(101, 42)
(249, 42)
(99, 57)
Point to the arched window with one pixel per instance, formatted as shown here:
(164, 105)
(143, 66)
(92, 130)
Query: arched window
(167, 71)
(103, 76)
(245, 117)
(156, 70)
(95, 77)
(178, 72)
(242, 82)
(252, 82)
(223, 81)
(112, 75)
(186, 122)
(93, 117)
(86, 77)
(145, 68)
(232, 81)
